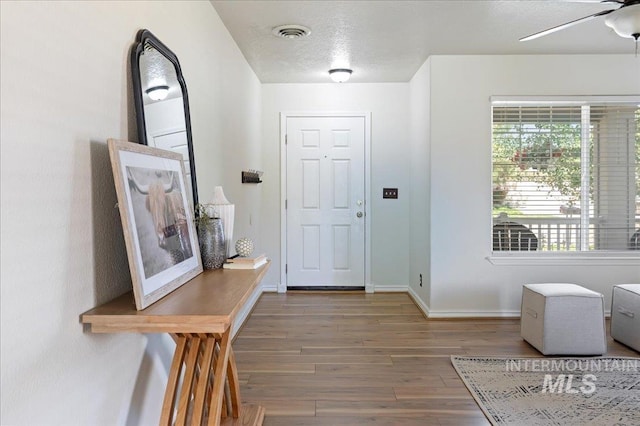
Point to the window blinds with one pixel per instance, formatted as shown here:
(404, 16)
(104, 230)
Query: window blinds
(568, 173)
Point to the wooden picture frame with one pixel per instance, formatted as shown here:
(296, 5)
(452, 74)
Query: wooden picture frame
(157, 219)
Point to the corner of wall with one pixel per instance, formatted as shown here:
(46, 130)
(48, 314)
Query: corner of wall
(419, 302)
(420, 124)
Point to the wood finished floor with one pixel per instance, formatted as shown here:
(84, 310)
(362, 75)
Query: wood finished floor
(365, 359)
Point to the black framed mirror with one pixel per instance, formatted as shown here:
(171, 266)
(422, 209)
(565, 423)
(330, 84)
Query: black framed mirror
(162, 103)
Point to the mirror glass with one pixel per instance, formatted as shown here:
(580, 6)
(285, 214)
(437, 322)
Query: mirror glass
(161, 102)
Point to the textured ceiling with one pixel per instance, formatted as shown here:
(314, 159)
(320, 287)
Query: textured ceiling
(387, 41)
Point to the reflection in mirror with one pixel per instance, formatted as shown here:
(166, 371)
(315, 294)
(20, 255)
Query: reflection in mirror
(162, 105)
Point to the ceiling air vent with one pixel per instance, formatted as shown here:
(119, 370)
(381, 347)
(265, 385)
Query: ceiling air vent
(291, 31)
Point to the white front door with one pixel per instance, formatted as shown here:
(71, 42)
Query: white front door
(176, 141)
(325, 193)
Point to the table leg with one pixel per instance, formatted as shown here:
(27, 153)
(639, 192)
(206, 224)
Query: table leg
(207, 367)
(234, 384)
(203, 381)
(191, 366)
(172, 382)
(219, 374)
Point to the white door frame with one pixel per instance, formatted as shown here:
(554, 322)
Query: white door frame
(282, 286)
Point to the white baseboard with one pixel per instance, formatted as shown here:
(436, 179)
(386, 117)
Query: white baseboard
(430, 313)
(271, 288)
(481, 314)
(474, 314)
(376, 288)
(418, 301)
(371, 288)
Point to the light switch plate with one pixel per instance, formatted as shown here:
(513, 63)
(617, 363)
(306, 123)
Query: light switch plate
(389, 192)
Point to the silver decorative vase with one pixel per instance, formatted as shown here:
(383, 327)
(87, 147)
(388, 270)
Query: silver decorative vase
(212, 245)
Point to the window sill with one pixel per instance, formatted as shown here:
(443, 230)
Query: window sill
(602, 259)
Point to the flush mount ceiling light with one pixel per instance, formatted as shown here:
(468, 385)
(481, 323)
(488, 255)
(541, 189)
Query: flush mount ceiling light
(340, 75)
(157, 93)
(291, 31)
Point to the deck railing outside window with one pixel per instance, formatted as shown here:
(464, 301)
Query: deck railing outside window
(557, 233)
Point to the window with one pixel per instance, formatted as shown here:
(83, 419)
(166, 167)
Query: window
(566, 174)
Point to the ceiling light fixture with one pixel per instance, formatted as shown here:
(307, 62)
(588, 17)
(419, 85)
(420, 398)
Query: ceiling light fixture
(340, 75)
(291, 31)
(157, 93)
(625, 21)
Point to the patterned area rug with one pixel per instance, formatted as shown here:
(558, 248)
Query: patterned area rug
(554, 391)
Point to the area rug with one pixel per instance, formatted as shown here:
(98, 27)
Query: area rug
(599, 391)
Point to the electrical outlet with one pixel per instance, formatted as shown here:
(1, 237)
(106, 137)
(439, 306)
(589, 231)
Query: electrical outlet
(389, 192)
(420, 280)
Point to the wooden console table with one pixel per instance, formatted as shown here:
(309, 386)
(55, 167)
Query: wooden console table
(199, 316)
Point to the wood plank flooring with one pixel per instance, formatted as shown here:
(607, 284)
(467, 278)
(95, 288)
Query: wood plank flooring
(365, 359)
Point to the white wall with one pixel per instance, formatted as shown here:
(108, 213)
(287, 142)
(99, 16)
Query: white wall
(420, 95)
(462, 281)
(389, 107)
(65, 89)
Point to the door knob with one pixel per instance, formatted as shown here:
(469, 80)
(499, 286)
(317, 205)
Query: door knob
(359, 214)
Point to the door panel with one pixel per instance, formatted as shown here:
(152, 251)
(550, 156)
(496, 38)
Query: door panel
(325, 192)
(176, 141)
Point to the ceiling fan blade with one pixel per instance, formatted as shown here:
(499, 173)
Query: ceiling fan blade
(565, 25)
(594, 1)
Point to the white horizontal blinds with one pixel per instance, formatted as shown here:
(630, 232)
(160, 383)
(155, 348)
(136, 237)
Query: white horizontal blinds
(615, 145)
(566, 172)
(536, 169)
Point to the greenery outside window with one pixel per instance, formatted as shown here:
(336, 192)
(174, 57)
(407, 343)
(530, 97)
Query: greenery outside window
(566, 174)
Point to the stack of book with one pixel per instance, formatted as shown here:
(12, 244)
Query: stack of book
(245, 262)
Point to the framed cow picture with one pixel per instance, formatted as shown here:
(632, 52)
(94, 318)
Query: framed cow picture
(157, 219)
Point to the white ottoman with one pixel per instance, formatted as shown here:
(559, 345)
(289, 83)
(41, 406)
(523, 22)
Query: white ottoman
(625, 315)
(563, 319)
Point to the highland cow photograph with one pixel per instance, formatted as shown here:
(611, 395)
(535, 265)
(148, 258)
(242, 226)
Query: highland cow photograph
(160, 218)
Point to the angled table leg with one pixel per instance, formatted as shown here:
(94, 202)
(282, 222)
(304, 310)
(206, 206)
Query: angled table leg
(190, 372)
(219, 374)
(234, 384)
(172, 383)
(204, 380)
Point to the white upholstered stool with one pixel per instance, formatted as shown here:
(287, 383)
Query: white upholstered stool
(625, 315)
(563, 319)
